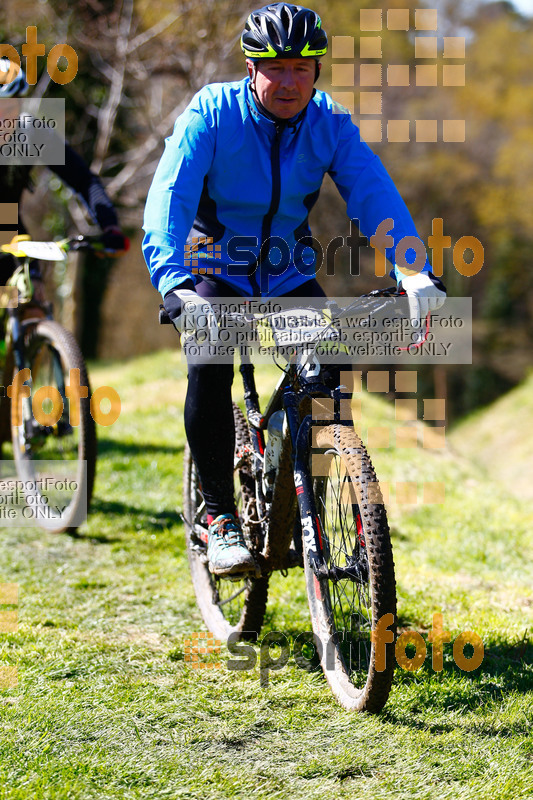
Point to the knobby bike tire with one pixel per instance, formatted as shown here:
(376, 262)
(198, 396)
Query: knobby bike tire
(50, 352)
(360, 587)
(226, 606)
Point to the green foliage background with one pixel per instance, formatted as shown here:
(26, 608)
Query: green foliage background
(482, 187)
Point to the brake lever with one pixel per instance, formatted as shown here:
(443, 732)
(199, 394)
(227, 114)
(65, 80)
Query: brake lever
(164, 319)
(390, 291)
(79, 243)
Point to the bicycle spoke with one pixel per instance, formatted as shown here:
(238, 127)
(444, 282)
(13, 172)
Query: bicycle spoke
(232, 596)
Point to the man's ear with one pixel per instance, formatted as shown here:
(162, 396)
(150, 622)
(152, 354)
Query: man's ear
(318, 67)
(250, 67)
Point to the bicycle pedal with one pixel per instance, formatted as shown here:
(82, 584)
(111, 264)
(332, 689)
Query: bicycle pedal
(199, 537)
(251, 574)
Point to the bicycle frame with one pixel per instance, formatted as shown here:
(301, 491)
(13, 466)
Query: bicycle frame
(45, 353)
(305, 370)
(25, 251)
(334, 514)
(21, 280)
(289, 398)
(302, 379)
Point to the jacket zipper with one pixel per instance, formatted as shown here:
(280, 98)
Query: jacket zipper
(266, 227)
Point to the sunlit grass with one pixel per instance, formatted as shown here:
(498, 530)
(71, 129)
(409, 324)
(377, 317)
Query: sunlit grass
(108, 707)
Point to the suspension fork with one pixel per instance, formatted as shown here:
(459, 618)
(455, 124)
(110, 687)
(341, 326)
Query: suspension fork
(15, 333)
(17, 340)
(300, 433)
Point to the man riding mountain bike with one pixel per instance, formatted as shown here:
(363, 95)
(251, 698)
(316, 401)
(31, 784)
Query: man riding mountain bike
(15, 178)
(241, 171)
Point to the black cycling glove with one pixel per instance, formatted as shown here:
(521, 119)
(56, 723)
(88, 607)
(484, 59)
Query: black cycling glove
(113, 239)
(172, 302)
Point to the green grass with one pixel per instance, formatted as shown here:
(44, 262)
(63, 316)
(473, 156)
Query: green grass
(107, 706)
(501, 437)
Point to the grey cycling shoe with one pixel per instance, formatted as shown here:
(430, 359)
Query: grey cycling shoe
(226, 549)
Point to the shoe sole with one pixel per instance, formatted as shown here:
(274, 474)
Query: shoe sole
(236, 570)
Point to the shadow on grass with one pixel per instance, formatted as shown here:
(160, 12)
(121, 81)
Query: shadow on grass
(509, 663)
(507, 668)
(398, 535)
(96, 538)
(110, 447)
(143, 519)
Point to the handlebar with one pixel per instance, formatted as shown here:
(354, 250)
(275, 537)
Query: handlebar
(90, 243)
(24, 247)
(336, 311)
(299, 326)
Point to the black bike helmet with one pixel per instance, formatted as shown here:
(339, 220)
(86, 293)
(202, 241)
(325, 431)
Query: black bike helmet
(281, 30)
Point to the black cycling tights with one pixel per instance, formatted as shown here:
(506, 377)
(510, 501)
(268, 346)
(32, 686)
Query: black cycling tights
(209, 414)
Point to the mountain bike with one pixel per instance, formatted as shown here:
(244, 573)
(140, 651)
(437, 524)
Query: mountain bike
(308, 496)
(52, 431)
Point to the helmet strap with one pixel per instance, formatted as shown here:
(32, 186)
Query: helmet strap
(259, 104)
(252, 79)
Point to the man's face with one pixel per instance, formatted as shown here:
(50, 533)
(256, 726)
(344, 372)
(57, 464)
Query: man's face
(284, 85)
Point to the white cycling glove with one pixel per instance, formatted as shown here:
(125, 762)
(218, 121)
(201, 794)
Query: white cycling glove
(425, 293)
(197, 321)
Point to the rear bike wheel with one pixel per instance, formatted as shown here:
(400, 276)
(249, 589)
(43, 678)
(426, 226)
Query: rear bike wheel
(55, 455)
(227, 606)
(360, 586)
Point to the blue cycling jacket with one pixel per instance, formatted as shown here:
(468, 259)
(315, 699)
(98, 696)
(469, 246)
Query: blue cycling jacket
(232, 193)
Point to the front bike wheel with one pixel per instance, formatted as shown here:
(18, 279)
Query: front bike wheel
(226, 606)
(360, 586)
(54, 438)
